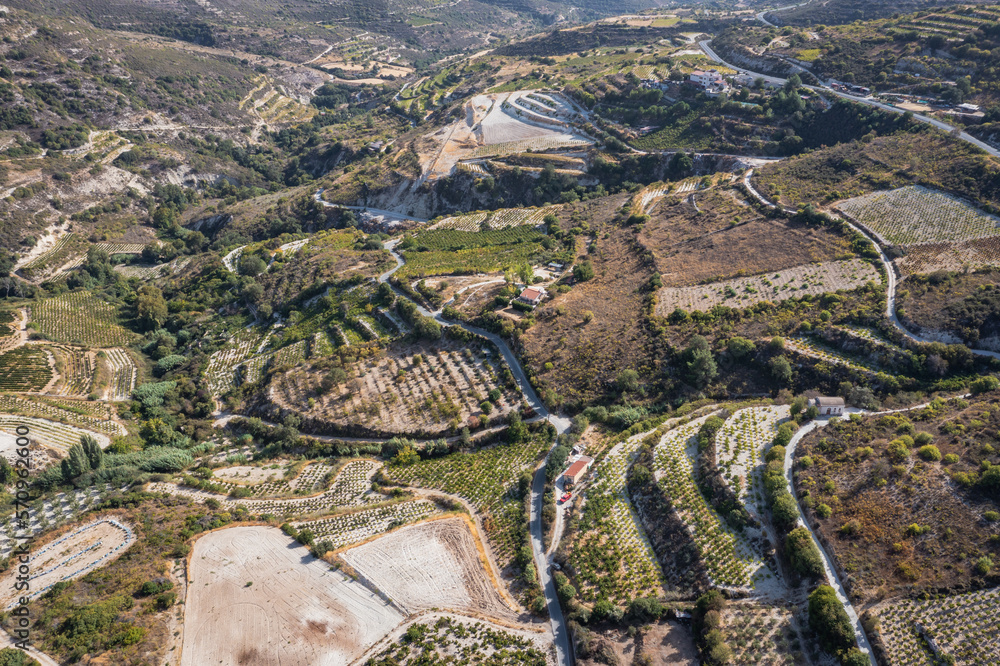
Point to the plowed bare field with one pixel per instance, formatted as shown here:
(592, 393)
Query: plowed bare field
(430, 565)
(256, 598)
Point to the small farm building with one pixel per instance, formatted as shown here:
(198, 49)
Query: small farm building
(578, 469)
(829, 406)
(532, 295)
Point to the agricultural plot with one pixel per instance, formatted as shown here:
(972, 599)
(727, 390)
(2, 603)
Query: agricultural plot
(424, 388)
(251, 590)
(450, 639)
(346, 528)
(740, 446)
(808, 347)
(350, 488)
(110, 248)
(25, 369)
(122, 374)
(914, 215)
(152, 271)
(495, 220)
(759, 634)
(487, 480)
(730, 560)
(71, 556)
(270, 481)
(79, 317)
(51, 259)
(961, 626)
(10, 329)
(76, 370)
(612, 557)
(811, 279)
(433, 565)
(55, 511)
(87, 415)
(223, 365)
(57, 436)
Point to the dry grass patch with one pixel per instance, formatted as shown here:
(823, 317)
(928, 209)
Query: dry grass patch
(587, 355)
(749, 249)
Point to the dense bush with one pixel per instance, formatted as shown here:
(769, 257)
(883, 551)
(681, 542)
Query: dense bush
(830, 623)
(803, 554)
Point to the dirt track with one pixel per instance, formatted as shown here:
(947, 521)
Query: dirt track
(430, 565)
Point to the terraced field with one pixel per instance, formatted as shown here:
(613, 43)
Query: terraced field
(424, 388)
(76, 369)
(811, 279)
(914, 214)
(494, 220)
(487, 479)
(79, 317)
(54, 435)
(730, 560)
(94, 416)
(123, 374)
(25, 369)
(612, 557)
(962, 626)
(221, 374)
(740, 446)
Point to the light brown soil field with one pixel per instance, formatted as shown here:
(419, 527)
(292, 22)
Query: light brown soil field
(931, 257)
(678, 217)
(431, 565)
(71, 556)
(749, 249)
(257, 599)
(777, 286)
(399, 393)
(249, 475)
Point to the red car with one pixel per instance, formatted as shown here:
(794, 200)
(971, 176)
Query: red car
(565, 498)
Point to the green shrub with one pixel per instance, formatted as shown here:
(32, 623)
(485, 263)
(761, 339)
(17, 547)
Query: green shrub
(14, 657)
(950, 459)
(983, 384)
(984, 565)
(929, 452)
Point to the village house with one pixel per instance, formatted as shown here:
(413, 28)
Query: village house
(829, 406)
(575, 472)
(710, 81)
(532, 295)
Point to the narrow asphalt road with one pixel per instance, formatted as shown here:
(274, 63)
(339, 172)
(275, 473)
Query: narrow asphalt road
(564, 651)
(825, 89)
(831, 571)
(890, 270)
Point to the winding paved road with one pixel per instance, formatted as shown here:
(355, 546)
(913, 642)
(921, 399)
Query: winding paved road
(826, 89)
(564, 651)
(831, 571)
(890, 271)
